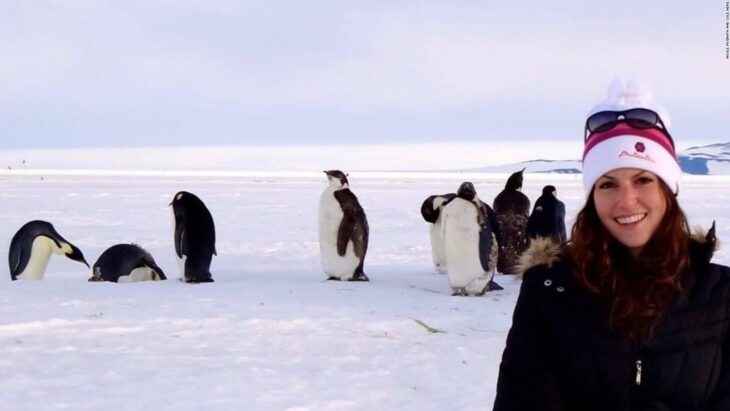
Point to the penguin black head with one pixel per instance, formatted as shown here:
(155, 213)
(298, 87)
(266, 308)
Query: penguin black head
(187, 200)
(514, 182)
(549, 190)
(182, 197)
(74, 253)
(466, 191)
(68, 249)
(337, 178)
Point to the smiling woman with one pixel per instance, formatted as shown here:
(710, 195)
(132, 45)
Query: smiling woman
(631, 203)
(630, 314)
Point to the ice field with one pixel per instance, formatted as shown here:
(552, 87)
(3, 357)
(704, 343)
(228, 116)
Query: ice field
(270, 333)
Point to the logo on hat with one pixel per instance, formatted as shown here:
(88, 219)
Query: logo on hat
(640, 147)
(637, 155)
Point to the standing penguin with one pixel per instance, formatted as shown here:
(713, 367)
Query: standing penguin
(470, 243)
(512, 209)
(432, 210)
(32, 246)
(343, 230)
(194, 237)
(126, 263)
(548, 217)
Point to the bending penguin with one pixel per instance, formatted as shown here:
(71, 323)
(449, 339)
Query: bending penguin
(32, 246)
(194, 237)
(126, 263)
(432, 210)
(512, 209)
(343, 231)
(471, 243)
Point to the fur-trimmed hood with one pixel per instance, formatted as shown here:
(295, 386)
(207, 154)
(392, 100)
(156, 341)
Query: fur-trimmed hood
(544, 251)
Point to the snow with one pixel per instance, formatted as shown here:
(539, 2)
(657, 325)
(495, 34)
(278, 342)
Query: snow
(269, 334)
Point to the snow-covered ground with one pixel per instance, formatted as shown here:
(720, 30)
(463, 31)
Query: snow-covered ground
(269, 334)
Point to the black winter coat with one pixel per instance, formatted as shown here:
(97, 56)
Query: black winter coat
(561, 355)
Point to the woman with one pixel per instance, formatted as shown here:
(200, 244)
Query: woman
(630, 314)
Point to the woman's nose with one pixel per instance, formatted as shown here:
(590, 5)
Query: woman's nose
(628, 195)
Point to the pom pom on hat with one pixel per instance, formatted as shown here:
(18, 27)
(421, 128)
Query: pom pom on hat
(626, 147)
(625, 93)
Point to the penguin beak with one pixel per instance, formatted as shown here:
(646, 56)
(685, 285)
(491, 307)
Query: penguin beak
(77, 255)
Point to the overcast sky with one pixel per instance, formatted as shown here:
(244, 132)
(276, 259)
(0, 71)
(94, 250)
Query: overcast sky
(181, 73)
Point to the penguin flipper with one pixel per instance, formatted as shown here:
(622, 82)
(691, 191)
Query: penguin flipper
(15, 256)
(485, 249)
(344, 233)
(179, 233)
(19, 255)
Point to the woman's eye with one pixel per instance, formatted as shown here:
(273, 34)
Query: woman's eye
(644, 180)
(606, 185)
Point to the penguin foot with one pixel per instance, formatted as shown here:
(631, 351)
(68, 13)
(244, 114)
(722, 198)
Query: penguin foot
(459, 292)
(492, 286)
(199, 280)
(360, 277)
(330, 278)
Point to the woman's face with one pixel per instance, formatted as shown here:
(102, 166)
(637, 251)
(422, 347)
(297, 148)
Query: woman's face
(631, 205)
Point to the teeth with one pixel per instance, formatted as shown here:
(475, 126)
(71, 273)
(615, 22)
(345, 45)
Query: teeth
(631, 219)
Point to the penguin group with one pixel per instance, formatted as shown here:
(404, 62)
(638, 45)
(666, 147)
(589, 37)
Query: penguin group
(470, 241)
(194, 237)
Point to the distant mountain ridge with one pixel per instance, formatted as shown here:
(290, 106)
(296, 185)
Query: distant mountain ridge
(713, 159)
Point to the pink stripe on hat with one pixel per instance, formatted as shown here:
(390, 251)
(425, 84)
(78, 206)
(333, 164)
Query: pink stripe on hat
(622, 129)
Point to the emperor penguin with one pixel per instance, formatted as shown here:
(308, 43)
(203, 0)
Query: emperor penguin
(513, 210)
(126, 263)
(194, 237)
(343, 230)
(432, 210)
(548, 217)
(32, 246)
(470, 243)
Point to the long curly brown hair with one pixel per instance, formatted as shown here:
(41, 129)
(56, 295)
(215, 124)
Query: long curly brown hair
(639, 290)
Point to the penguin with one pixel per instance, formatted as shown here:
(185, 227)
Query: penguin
(513, 210)
(343, 230)
(31, 248)
(126, 263)
(431, 210)
(548, 217)
(194, 237)
(470, 243)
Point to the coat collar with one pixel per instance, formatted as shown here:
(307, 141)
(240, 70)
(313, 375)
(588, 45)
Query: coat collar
(544, 251)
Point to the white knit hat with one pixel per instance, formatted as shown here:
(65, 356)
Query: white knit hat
(624, 146)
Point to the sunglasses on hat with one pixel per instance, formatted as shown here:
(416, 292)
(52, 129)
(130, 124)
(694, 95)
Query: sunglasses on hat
(640, 118)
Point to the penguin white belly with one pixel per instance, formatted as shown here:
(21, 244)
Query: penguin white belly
(438, 248)
(330, 217)
(461, 243)
(40, 253)
(181, 264)
(138, 274)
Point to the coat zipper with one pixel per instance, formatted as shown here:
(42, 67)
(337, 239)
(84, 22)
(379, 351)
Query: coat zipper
(638, 373)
